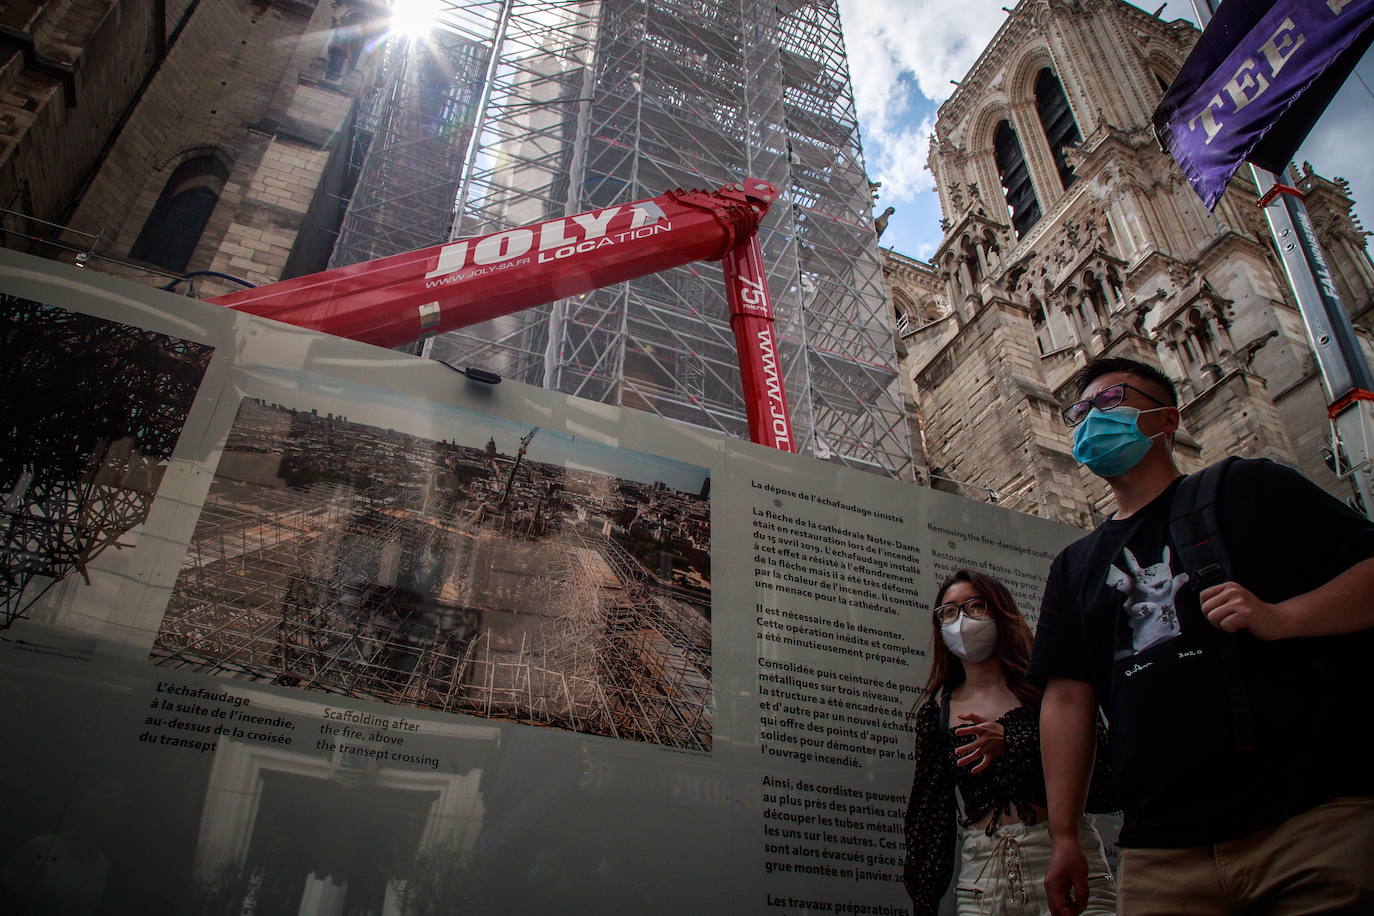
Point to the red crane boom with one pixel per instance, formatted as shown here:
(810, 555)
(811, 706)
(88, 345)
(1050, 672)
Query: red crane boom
(399, 299)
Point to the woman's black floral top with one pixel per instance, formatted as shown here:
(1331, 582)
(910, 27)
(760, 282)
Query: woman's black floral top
(1014, 781)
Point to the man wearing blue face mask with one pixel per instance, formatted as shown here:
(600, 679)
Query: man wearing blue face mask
(1225, 701)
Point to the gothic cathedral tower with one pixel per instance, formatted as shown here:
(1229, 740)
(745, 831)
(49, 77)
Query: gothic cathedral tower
(1069, 235)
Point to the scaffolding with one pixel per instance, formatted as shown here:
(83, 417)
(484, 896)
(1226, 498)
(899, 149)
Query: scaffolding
(378, 590)
(84, 450)
(591, 104)
(412, 133)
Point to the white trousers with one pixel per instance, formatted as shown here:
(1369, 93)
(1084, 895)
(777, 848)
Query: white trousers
(1004, 874)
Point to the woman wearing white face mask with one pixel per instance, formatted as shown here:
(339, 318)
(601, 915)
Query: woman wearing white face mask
(978, 742)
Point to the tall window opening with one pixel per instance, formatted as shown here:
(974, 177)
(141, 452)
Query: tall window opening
(173, 229)
(1061, 130)
(1201, 335)
(1040, 326)
(975, 270)
(902, 310)
(1016, 181)
(1183, 344)
(1092, 291)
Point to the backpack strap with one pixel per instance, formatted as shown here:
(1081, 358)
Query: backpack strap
(1195, 528)
(1195, 531)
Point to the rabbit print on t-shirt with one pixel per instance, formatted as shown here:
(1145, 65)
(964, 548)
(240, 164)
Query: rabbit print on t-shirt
(1149, 603)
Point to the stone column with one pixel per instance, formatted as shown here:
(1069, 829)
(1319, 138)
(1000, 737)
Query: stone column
(1109, 297)
(982, 261)
(994, 257)
(965, 277)
(1074, 324)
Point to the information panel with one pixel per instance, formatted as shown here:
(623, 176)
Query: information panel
(295, 625)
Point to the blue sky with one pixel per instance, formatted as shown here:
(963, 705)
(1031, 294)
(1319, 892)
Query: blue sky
(904, 53)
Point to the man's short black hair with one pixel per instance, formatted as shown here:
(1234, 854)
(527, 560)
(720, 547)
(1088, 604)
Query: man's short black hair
(1105, 365)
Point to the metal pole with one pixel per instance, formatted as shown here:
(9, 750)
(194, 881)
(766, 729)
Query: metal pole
(1345, 374)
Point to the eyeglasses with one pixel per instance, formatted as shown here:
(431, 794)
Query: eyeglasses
(1106, 399)
(975, 608)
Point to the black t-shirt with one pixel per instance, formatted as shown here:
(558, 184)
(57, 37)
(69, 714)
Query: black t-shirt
(1120, 613)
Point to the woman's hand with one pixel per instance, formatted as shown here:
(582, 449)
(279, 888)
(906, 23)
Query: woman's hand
(989, 742)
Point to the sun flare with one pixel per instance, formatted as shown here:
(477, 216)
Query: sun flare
(413, 18)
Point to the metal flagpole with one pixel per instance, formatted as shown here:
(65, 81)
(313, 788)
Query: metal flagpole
(1345, 374)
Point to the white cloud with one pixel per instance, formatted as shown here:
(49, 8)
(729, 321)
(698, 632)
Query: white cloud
(902, 57)
(897, 158)
(934, 41)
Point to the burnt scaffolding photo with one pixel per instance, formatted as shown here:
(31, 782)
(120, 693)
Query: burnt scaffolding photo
(91, 411)
(472, 578)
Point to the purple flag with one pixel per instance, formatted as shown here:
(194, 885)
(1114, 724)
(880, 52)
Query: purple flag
(1257, 80)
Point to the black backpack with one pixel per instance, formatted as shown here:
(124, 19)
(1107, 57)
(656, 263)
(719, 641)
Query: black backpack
(1195, 530)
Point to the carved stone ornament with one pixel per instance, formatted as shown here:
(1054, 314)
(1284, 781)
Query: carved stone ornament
(956, 197)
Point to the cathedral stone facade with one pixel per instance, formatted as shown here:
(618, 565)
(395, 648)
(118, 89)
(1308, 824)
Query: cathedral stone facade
(148, 138)
(1068, 235)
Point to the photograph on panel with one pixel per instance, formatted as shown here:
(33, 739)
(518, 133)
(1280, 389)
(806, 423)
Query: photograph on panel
(91, 411)
(502, 571)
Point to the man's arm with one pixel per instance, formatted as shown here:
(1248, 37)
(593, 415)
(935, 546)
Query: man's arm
(1345, 604)
(1067, 717)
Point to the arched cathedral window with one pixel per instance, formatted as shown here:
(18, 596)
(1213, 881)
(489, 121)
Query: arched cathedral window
(1092, 291)
(173, 229)
(1061, 130)
(902, 312)
(1016, 181)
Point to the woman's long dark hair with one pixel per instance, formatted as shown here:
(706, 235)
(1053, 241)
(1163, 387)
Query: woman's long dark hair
(1013, 642)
